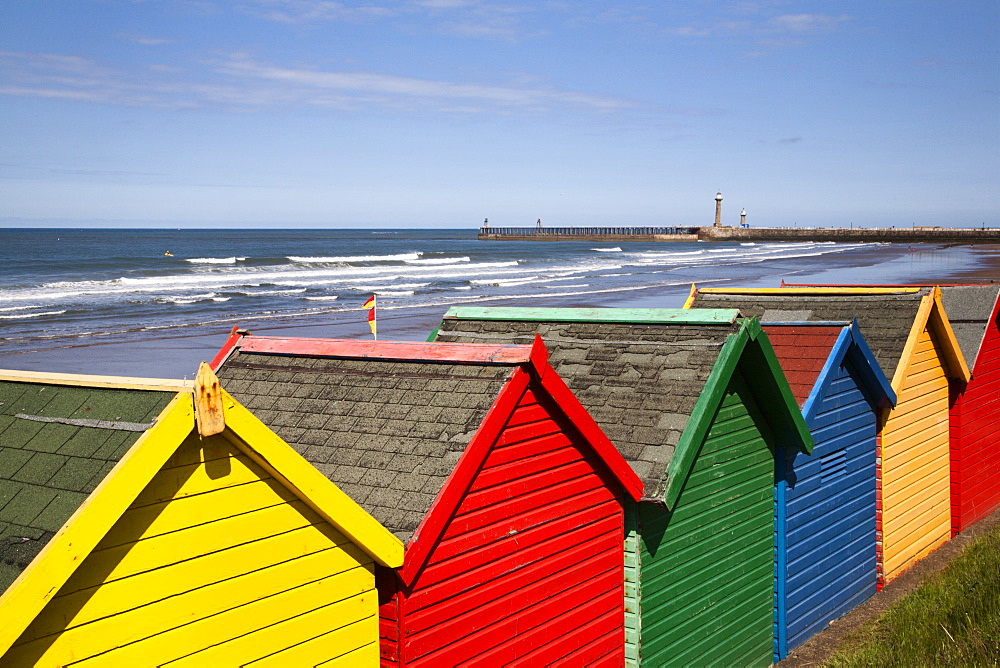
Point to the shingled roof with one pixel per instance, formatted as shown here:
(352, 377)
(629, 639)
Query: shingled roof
(57, 442)
(639, 379)
(886, 317)
(969, 308)
(802, 352)
(387, 432)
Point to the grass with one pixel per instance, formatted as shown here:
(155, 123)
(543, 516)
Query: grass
(953, 619)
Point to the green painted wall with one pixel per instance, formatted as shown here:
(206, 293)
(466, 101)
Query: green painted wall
(706, 568)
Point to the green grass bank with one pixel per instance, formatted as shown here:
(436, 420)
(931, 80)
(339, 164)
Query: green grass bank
(953, 619)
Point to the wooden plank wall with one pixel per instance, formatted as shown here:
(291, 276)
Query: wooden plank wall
(975, 453)
(529, 568)
(707, 568)
(830, 562)
(214, 563)
(915, 485)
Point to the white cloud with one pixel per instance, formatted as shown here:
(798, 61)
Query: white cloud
(803, 23)
(143, 40)
(307, 11)
(244, 83)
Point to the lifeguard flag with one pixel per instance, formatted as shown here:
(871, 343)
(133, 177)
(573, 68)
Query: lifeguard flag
(370, 305)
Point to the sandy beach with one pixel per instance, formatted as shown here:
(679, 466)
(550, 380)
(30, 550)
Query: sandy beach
(176, 353)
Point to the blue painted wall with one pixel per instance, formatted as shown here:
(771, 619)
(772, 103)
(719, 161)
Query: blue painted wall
(825, 512)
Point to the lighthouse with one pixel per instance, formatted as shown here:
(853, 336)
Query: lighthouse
(718, 209)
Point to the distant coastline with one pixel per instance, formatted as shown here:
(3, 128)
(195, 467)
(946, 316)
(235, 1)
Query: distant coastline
(744, 234)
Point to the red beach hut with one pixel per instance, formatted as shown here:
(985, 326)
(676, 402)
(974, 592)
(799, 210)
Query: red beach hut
(507, 495)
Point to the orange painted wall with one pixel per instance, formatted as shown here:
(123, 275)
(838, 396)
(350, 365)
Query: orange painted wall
(915, 485)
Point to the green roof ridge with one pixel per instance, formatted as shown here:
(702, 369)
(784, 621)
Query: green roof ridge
(675, 316)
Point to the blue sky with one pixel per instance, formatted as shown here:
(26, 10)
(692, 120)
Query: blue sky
(439, 113)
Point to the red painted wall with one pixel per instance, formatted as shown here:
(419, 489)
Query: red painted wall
(530, 566)
(975, 439)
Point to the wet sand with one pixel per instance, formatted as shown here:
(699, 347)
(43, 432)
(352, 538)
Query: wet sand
(176, 353)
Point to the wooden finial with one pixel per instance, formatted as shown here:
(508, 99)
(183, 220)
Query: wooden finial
(208, 402)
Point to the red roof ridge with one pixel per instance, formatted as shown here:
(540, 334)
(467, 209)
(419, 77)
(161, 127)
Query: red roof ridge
(483, 353)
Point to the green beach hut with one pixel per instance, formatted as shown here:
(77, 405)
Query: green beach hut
(697, 404)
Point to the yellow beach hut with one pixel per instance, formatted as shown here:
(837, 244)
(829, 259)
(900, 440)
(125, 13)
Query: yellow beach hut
(160, 523)
(910, 335)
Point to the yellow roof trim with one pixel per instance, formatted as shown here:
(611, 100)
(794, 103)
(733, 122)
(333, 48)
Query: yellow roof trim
(955, 360)
(269, 451)
(811, 291)
(931, 314)
(115, 382)
(689, 303)
(50, 569)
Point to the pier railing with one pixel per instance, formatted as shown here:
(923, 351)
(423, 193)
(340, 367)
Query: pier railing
(584, 231)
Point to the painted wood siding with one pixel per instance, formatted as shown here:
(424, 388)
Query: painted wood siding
(975, 453)
(529, 568)
(707, 568)
(915, 477)
(215, 563)
(830, 562)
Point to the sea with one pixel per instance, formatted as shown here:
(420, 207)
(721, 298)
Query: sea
(73, 289)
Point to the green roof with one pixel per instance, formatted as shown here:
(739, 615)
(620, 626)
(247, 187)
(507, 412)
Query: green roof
(677, 316)
(57, 442)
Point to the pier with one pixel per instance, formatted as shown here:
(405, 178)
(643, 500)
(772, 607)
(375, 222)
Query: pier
(743, 234)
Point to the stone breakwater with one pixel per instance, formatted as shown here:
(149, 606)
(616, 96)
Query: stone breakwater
(838, 234)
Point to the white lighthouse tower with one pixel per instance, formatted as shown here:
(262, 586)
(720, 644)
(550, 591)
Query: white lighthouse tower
(718, 209)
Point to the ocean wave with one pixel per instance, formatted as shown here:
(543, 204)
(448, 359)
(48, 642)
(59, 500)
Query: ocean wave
(394, 286)
(215, 260)
(748, 243)
(357, 258)
(261, 293)
(17, 308)
(503, 281)
(440, 260)
(25, 316)
(558, 287)
(394, 293)
(607, 250)
(325, 298)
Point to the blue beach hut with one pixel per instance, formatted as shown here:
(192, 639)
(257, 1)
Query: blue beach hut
(825, 557)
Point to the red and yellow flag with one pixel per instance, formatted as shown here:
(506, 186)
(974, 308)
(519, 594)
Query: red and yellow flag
(370, 305)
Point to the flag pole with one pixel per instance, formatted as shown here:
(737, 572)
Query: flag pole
(375, 317)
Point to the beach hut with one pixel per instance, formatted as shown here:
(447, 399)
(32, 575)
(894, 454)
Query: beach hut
(696, 403)
(910, 336)
(507, 495)
(151, 522)
(974, 313)
(825, 561)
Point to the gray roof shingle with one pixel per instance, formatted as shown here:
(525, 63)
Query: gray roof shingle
(388, 433)
(48, 467)
(639, 382)
(969, 308)
(885, 319)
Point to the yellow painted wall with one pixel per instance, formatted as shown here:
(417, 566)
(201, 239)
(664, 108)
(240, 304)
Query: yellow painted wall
(215, 563)
(915, 460)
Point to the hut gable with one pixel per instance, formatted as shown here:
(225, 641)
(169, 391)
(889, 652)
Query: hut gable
(204, 543)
